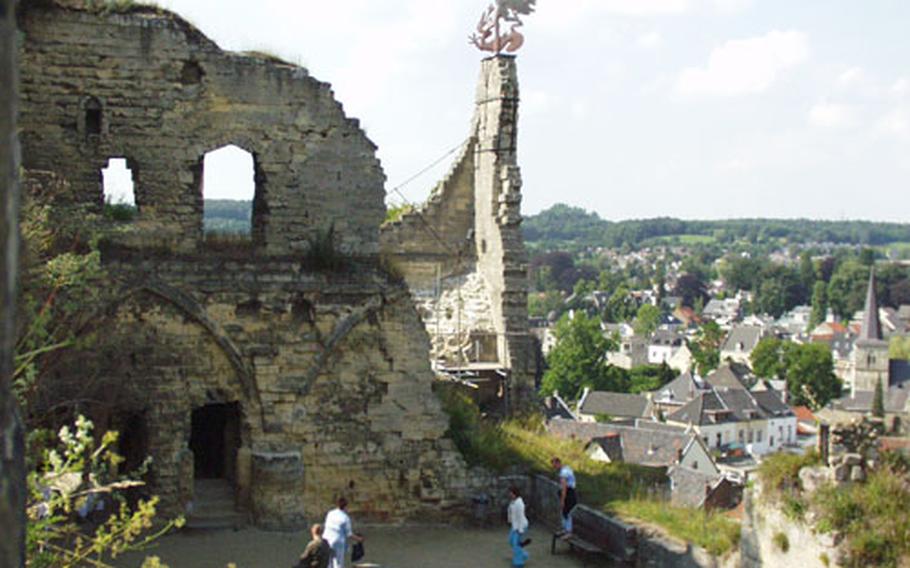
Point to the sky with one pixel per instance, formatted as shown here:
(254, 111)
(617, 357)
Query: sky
(698, 109)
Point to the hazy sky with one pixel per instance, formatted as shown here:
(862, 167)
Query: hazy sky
(632, 108)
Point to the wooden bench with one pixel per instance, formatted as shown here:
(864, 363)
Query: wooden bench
(584, 539)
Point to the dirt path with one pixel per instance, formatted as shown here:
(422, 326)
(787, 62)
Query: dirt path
(407, 547)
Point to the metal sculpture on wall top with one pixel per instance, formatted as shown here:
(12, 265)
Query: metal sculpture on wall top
(497, 30)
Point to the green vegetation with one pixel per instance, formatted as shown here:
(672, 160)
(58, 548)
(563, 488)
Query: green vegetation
(617, 488)
(899, 347)
(807, 368)
(566, 227)
(779, 473)
(227, 216)
(579, 358)
(322, 253)
(872, 515)
(781, 541)
(705, 347)
(61, 466)
(394, 213)
(713, 531)
(66, 364)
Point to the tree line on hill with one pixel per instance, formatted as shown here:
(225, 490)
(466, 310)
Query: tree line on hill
(572, 225)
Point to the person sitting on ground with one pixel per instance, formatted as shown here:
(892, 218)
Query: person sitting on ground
(567, 497)
(518, 527)
(317, 553)
(337, 532)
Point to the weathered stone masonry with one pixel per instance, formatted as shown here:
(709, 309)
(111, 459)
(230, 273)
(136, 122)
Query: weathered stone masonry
(327, 374)
(467, 238)
(148, 87)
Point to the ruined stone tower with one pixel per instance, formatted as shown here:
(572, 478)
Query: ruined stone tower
(462, 252)
(283, 384)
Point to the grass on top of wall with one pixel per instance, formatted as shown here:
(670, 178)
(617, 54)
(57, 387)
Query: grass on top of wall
(616, 488)
(716, 532)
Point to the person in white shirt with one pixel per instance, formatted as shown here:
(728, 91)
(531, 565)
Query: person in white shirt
(518, 526)
(337, 530)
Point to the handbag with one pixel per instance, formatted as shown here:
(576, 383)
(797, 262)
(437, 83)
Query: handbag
(357, 552)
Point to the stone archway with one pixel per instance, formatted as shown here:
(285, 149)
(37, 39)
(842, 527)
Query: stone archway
(202, 410)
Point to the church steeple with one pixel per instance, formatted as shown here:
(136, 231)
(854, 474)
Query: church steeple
(872, 327)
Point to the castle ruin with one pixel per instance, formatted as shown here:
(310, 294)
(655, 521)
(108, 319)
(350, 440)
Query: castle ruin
(265, 378)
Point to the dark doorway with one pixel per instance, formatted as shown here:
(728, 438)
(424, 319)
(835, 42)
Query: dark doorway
(214, 440)
(133, 441)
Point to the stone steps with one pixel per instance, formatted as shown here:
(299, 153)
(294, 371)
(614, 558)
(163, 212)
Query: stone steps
(214, 506)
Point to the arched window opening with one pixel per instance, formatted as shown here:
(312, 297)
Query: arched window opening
(119, 185)
(93, 116)
(229, 188)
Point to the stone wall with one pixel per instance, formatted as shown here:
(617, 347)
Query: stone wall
(630, 544)
(12, 454)
(766, 529)
(145, 85)
(326, 372)
(470, 226)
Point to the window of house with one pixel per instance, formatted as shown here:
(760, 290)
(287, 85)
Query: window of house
(758, 436)
(771, 441)
(742, 437)
(751, 436)
(228, 183)
(718, 439)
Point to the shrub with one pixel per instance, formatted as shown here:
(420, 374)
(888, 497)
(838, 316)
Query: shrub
(779, 473)
(322, 253)
(781, 541)
(119, 212)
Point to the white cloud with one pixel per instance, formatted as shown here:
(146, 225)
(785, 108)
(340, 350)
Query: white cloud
(852, 77)
(901, 87)
(745, 66)
(732, 5)
(832, 115)
(643, 7)
(896, 122)
(536, 102)
(651, 40)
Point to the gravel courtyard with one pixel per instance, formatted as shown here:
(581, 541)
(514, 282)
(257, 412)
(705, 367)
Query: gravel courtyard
(388, 547)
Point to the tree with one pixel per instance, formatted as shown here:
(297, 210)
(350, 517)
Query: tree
(846, 291)
(646, 378)
(579, 359)
(75, 474)
(620, 307)
(819, 304)
(691, 289)
(899, 348)
(878, 400)
(647, 320)
(806, 270)
(705, 347)
(810, 375)
(767, 359)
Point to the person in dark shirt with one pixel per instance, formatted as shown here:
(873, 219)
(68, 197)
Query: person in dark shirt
(317, 553)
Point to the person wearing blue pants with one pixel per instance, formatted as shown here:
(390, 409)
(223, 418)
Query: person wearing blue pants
(567, 496)
(518, 526)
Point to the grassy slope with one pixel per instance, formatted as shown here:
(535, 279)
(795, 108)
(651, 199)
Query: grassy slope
(619, 488)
